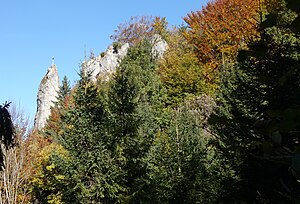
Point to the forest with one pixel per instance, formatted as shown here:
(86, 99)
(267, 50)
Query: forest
(216, 119)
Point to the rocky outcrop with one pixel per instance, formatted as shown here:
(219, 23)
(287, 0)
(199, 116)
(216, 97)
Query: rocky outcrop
(46, 97)
(159, 46)
(105, 63)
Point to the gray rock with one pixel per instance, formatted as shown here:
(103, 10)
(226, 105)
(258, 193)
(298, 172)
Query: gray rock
(103, 65)
(46, 97)
(159, 46)
(107, 64)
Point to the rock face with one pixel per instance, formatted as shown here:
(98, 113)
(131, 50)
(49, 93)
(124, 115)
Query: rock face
(47, 95)
(103, 65)
(106, 63)
(159, 46)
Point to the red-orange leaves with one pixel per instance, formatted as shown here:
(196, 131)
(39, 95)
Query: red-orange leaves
(220, 29)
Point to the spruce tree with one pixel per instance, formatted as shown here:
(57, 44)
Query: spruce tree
(259, 110)
(6, 131)
(53, 127)
(91, 173)
(183, 164)
(135, 106)
(65, 89)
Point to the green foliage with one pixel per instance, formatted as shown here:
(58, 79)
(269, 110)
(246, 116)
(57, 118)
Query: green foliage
(110, 127)
(116, 46)
(81, 133)
(65, 89)
(143, 137)
(121, 145)
(257, 120)
(53, 126)
(47, 183)
(95, 179)
(183, 164)
(181, 72)
(135, 106)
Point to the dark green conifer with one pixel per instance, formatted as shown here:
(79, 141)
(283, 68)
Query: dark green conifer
(259, 109)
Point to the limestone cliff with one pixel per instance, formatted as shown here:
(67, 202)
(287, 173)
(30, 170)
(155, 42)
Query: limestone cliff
(103, 65)
(47, 95)
(106, 63)
(159, 46)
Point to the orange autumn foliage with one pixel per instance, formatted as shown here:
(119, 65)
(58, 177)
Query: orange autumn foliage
(220, 29)
(55, 117)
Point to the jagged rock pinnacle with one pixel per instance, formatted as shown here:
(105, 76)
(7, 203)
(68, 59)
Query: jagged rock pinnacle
(46, 97)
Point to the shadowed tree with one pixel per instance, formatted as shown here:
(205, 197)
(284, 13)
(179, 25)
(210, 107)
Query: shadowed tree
(6, 130)
(258, 117)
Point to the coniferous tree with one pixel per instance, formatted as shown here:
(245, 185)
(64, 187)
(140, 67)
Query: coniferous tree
(92, 171)
(64, 101)
(183, 164)
(65, 89)
(6, 131)
(259, 108)
(135, 106)
(90, 174)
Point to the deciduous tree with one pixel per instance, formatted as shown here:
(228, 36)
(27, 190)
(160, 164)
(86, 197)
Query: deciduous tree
(259, 111)
(140, 28)
(180, 70)
(220, 29)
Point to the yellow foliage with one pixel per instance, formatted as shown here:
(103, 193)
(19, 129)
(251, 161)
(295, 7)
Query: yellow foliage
(55, 199)
(50, 167)
(181, 72)
(45, 177)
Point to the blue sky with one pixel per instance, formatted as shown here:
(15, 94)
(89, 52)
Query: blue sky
(33, 31)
